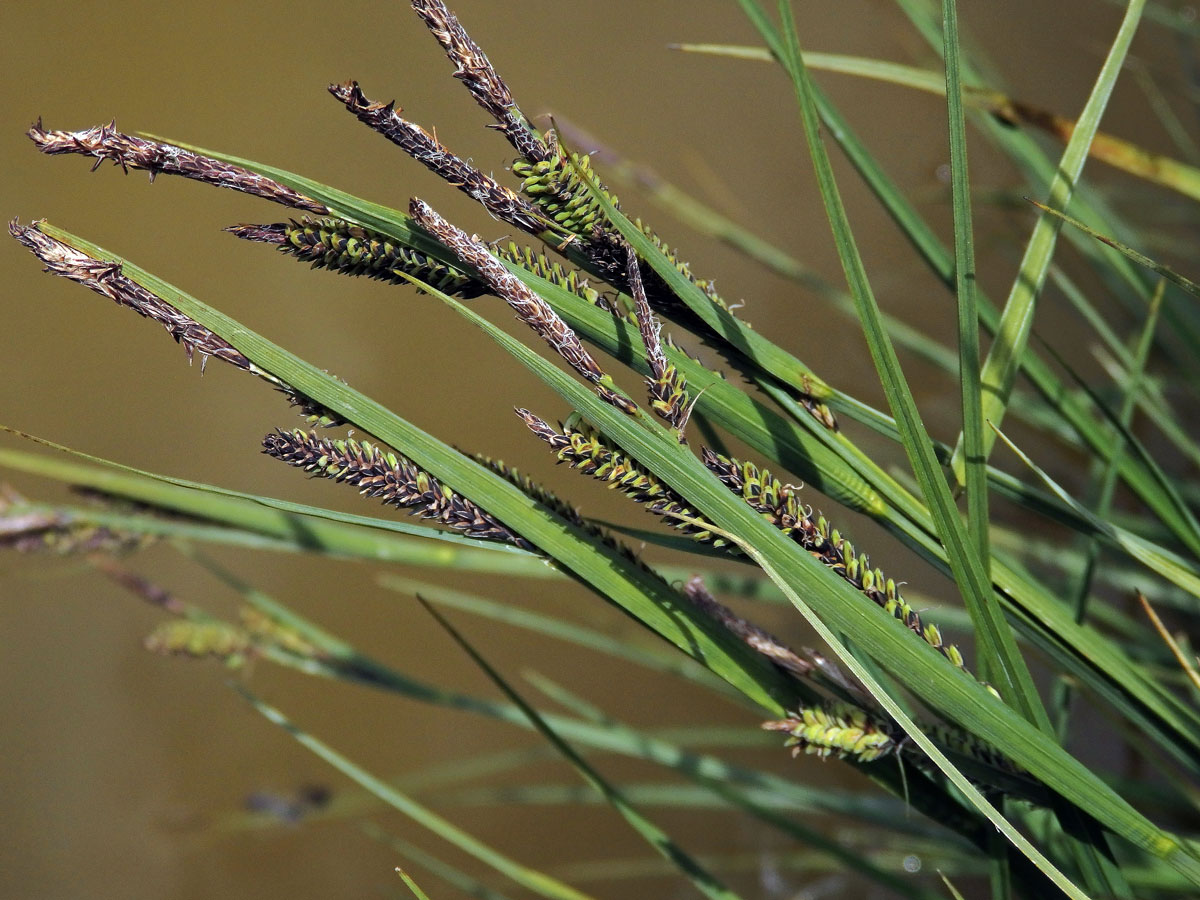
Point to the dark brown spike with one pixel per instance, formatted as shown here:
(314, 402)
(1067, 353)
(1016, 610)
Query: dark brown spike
(529, 307)
(475, 70)
(107, 279)
(747, 632)
(131, 152)
(501, 202)
(666, 385)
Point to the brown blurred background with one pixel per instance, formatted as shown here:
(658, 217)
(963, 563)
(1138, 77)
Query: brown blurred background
(117, 763)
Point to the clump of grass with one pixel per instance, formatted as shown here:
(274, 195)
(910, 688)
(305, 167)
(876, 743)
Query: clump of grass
(986, 768)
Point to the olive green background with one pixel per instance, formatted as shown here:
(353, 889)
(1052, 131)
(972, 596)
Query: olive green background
(117, 765)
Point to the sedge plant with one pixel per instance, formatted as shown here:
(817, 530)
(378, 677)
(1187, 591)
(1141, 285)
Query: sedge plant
(711, 427)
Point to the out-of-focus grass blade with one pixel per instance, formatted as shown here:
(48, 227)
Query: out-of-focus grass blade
(411, 885)
(455, 877)
(1154, 403)
(287, 526)
(559, 629)
(1141, 259)
(1016, 319)
(1187, 665)
(1177, 570)
(1180, 19)
(530, 879)
(694, 213)
(950, 886)
(1121, 154)
(1188, 530)
(701, 879)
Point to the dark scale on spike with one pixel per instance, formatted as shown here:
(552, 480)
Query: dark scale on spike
(475, 70)
(779, 503)
(392, 478)
(418, 143)
(667, 387)
(529, 307)
(353, 250)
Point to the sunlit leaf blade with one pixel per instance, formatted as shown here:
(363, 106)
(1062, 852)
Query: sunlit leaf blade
(968, 322)
(1016, 320)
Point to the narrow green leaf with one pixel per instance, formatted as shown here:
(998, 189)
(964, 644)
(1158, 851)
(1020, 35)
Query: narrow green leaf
(994, 638)
(289, 526)
(1003, 360)
(968, 318)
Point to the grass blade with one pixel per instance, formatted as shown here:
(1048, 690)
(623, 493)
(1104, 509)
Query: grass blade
(993, 635)
(294, 527)
(968, 318)
(1003, 360)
